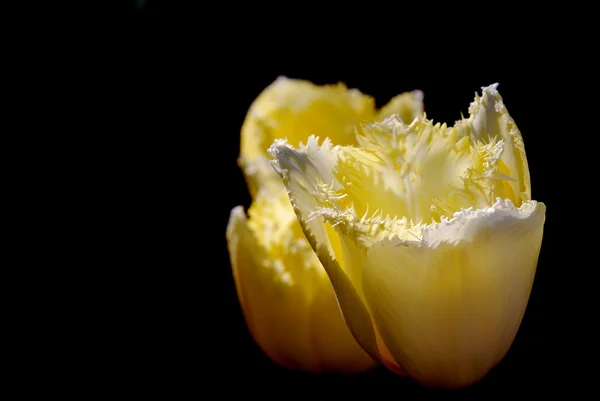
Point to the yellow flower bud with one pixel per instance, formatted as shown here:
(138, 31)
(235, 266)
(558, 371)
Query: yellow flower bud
(428, 234)
(286, 296)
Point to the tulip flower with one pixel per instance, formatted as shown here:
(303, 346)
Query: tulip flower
(428, 234)
(285, 294)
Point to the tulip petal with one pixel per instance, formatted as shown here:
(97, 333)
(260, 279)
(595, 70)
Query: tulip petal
(488, 119)
(294, 109)
(407, 105)
(331, 340)
(303, 171)
(259, 174)
(401, 170)
(448, 306)
(275, 309)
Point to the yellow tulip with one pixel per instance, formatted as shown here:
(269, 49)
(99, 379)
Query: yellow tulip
(286, 296)
(428, 234)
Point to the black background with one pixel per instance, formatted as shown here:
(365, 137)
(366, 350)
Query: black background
(191, 90)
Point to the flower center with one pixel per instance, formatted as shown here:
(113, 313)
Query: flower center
(404, 176)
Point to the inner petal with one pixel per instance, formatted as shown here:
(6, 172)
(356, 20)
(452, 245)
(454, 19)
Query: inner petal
(402, 170)
(489, 119)
(287, 252)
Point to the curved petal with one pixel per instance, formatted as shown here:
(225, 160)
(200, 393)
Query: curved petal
(336, 348)
(259, 174)
(353, 309)
(407, 105)
(489, 119)
(276, 309)
(401, 170)
(448, 306)
(295, 109)
(304, 171)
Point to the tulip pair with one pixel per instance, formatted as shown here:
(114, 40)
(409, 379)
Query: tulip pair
(426, 234)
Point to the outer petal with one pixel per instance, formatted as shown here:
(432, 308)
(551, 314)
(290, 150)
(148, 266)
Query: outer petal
(276, 314)
(303, 171)
(448, 307)
(287, 298)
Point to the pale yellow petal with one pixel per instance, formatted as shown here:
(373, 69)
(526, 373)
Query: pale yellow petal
(402, 170)
(259, 174)
(354, 311)
(304, 172)
(333, 343)
(407, 105)
(489, 119)
(276, 311)
(285, 293)
(294, 109)
(448, 306)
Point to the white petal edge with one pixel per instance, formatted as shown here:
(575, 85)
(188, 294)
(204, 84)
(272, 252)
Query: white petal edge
(467, 223)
